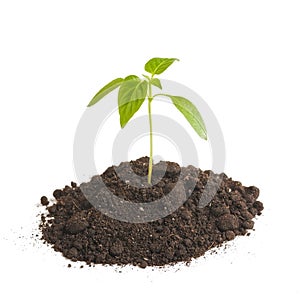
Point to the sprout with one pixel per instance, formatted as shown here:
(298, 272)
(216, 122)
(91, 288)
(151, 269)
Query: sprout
(133, 91)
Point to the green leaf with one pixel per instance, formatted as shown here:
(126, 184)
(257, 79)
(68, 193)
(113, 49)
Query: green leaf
(156, 82)
(158, 65)
(106, 90)
(131, 96)
(131, 77)
(191, 113)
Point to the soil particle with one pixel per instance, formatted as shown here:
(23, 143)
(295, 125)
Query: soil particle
(249, 224)
(259, 206)
(228, 222)
(74, 227)
(44, 200)
(143, 264)
(58, 194)
(219, 209)
(230, 235)
(52, 209)
(73, 184)
(116, 249)
(246, 215)
(72, 253)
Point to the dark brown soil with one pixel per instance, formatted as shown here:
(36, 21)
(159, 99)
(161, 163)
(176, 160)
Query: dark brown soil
(82, 233)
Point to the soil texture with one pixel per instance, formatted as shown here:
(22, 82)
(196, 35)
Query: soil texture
(81, 232)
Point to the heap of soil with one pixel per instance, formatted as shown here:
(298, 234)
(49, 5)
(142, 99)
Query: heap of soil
(80, 232)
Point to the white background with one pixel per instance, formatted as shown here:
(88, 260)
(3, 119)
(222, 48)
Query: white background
(242, 57)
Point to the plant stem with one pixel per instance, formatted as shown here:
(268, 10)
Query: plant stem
(150, 98)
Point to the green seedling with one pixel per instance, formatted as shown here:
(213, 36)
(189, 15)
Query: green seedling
(133, 91)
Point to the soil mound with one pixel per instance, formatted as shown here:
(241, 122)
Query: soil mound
(81, 232)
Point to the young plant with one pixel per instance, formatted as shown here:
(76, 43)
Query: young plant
(133, 91)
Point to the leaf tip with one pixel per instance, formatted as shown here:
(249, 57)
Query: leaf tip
(122, 124)
(204, 135)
